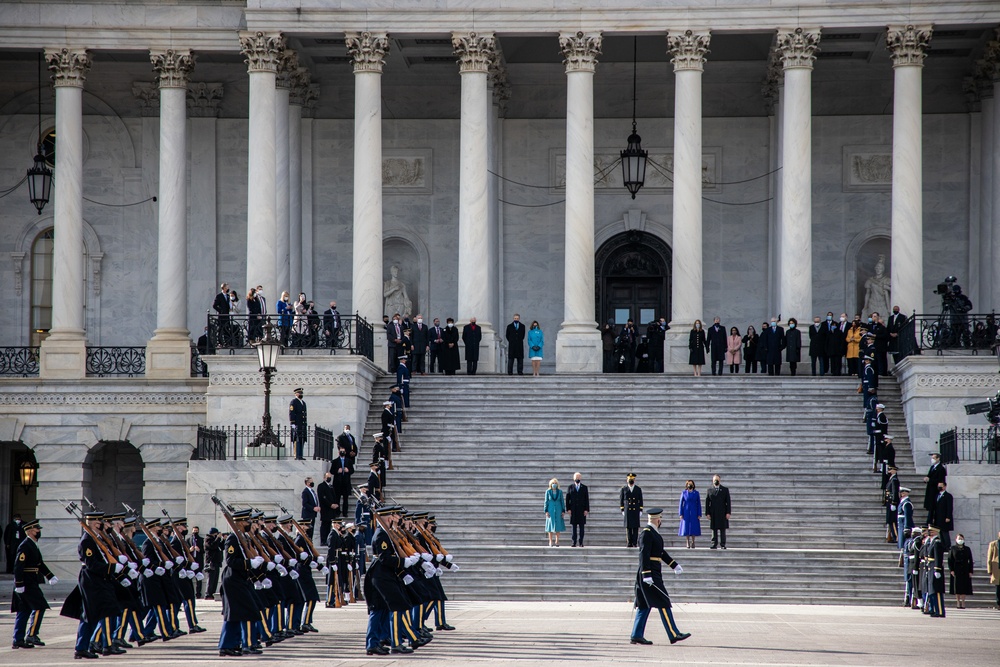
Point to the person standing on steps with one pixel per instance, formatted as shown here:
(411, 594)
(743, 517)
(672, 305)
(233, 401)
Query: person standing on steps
(449, 342)
(716, 344)
(555, 507)
(536, 345)
(472, 336)
(300, 423)
(650, 591)
(630, 502)
(578, 505)
(696, 346)
(718, 508)
(793, 345)
(904, 517)
(773, 339)
(734, 349)
(935, 474)
(515, 345)
(689, 511)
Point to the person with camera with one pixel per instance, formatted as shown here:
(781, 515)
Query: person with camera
(213, 561)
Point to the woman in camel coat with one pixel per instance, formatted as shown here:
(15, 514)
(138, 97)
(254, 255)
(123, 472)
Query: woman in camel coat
(734, 349)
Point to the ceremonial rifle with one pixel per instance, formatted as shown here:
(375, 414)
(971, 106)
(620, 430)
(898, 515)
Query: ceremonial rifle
(226, 510)
(177, 534)
(107, 551)
(149, 536)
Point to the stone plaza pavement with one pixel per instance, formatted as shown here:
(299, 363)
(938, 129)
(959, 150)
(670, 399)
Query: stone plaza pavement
(553, 633)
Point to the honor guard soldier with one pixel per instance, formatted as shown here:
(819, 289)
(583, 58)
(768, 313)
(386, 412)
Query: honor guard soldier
(892, 501)
(904, 517)
(374, 484)
(403, 378)
(29, 602)
(239, 608)
(935, 567)
(650, 591)
(398, 412)
(630, 502)
(299, 421)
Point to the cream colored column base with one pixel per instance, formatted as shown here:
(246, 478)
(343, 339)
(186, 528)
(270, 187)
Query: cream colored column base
(168, 356)
(63, 357)
(579, 350)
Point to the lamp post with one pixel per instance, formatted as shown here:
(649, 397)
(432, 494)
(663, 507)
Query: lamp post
(28, 472)
(634, 157)
(268, 350)
(39, 175)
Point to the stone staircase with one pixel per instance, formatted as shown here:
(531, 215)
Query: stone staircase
(807, 526)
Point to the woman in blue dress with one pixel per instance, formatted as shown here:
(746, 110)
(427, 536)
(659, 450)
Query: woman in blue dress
(536, 343)
(690, 513)
(555, 506)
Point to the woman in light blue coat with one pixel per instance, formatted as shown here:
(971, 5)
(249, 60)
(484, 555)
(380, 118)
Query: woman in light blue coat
(555, 506)
(536, 344)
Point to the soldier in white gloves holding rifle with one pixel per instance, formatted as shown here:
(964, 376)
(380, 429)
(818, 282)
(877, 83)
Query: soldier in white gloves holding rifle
(29, 602)
(650, 592)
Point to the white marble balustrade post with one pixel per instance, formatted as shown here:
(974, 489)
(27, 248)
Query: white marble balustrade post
(168, 354)
(262, 52)
(797, 48)
(907, 46)
(299, 81)
(475, 52)
(368, 50)
(288, 64)
(63, 353)
(578, 344)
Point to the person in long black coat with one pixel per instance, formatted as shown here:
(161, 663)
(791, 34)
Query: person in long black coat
(630, 501)
(329, 508)
(834, 345)
(449, 354)
(697, 344)
(514, 335)
(716, 343)
(817, 346)
(944, 514)
(762, 348)
(773, 339)
(650, 591)
(578, 505)
(718, 508)
(793, 345)
(94, 600)
(472, 336)
(239, 604)
(28, 602)
(936, 473)
(960, 566)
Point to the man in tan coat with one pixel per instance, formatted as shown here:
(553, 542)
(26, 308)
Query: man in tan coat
(993, 566)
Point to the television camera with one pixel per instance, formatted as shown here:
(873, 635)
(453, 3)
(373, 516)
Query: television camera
(990, 408)
(952, 299)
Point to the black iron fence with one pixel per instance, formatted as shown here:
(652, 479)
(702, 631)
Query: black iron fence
(950, 333)
(19, 361)
(297, 333)
(239, 443)
(116, 360)
(970, 445)
(198, 367)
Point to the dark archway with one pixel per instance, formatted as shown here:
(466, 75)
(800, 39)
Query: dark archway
(112, 475)
(633, 279)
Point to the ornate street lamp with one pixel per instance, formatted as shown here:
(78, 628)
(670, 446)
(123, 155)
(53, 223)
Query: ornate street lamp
(39, 175)
(268, 351)
(634, 157)
(29, 473)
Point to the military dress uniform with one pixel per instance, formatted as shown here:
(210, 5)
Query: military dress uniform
(935, 567)
(892, 500)
(28, 602)
(403, 379)
(307, 584)
(93, 601)
(650, 591)
(239, 605)
(153, 587)
(389, 581)
(630, 502)
(297, 416)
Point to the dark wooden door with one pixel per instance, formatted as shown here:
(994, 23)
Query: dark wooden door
(641, 299)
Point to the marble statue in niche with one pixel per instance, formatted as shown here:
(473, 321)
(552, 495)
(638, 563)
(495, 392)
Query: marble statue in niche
(877, 290)
(397, 299)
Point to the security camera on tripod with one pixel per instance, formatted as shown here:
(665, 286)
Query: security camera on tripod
(991, 409)
(952, 327)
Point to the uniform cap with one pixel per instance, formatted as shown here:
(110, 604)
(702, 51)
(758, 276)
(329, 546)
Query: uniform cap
(115, 517)
(92, 516)
(307, 522)
(403, 357)
(153, 523)
(181, 519)
(271, 517)
(241, 514)
(888, 437)
(654, 511)
(933, 529)
(213, 531)
(129, 521)
(386, 402)
(256, 514)
(31, 524)
(903, 489)
(631, 475)
(349, 525)
(880, 405)
(284, 518)
(298, 390)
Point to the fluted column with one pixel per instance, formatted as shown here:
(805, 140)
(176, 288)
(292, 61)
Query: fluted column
(64, 351)
(288, 64)
(368, 51)
(907, 45)
(797, 49)
(475, 52)
(168, 354)
(296, 99)
(262, 52)
(578, 345)
(984, 243)
(993, 52)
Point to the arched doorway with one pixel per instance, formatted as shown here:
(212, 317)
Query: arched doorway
(633, 279)
(18, 496)
(112, 475)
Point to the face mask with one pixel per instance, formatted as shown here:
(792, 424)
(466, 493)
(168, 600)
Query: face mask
(716, 482)
(816, 321)
(829, 318)
(395, 321)
(420, 320)
(347, 430)
(791, 325)
(774, 325)
(329, 479)
(311, 485)
(843, 319)
(870, 320)
(959, 542)
(697, 326)
(450, 325)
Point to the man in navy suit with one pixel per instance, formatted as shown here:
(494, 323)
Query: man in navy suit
(472, 336)
(773, 339)
(310, 504)
(515, 345)
(435, 344)
(394, 341)
(717, 345)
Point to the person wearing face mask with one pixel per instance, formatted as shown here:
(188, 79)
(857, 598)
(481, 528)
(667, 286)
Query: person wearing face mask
(472, 337)
(936, 474)
(750, 342)
(347, 442)
(881, 333)
(793, 345)
(310, 502)
(817, 346)
(834, 345)
(774, 342)
(419, 337)
(904, 517)
(894, 326)
(734, 348)
(285, 311)
(697, 344)
(555, 507)
(630, 502)
(718, 509)
(960, 566)
(715, 343)
(341, 468)
(936, 559)
(299, 420)
(328, 507)
(656, 334)
(514, 336)
(450, 361)
(853, 340)
(993, 566)
(28, 603)
(394, 341)
(578, 506)
(943, 515)
(650, 591)
(689, 511)
(435, 346)
(762, 348)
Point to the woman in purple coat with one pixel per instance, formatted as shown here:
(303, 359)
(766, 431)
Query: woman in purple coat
(690, 513)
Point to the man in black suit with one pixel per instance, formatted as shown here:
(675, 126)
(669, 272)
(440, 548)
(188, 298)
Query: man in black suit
(331, 325)
(894, 327)
(878, 328)
(342, 468)
(472, 336)
(299, 423)
(578, 504)
(943, 514)
(773, 340)
(328, 507)
(255, 321)
(817, 346)
(435, 344)
(347, 442)
(310, 503)
(515, 345)
(833, 343)
(717, 345)
(419, 338)
(221, 307)
(718, 508)
(394, 341)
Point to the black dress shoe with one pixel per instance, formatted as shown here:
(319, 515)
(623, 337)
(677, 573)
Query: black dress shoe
(89, 655)
(22, 644)
(378, 650)
(34, 640)
(230, 652)
(196, 629)
(121, 643)
(640, 640)
(445, 627)
(681, 637)
(114, 650)
(400, 649)
(254, 651)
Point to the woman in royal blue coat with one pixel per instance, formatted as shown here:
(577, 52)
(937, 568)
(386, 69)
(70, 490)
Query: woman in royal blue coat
(536, 344)
(689, 511)
(555, 507)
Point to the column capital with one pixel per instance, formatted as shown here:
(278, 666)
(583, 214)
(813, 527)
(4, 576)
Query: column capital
(687, 49)
(908, 44)
(797, 47)
(773, 81)
(172, 67)
(476, 51)
(261, 50)
(991, 57)
(299, 86)
(147, 97)
(69, 67)
(368, 50)
(501, 86)
(580, 50)
(288, 67)
(204, 99)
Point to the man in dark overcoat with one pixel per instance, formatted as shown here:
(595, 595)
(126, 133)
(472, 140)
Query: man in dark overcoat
(650, 591)
(718, 508)
(630, 501)
(472, 336)
(578, 504)
(717, 345)
(28, 603)
(773, 339)
(515, 345)
(935, 474)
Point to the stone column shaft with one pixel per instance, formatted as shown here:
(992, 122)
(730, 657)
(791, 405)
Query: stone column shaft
(907, 44)
(281, 191)
(994, 191)
(986, 185)
(295, 198)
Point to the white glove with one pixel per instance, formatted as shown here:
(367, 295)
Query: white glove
(325, 571)
(438, 571)
(278, 558)
(409, 561)
(892, 507)
(313, 565)
(334, 568)
(132, 574)
(19, 590)
(118, 568)
(350, 568)
(160, 572)
(448, 558)
(168, 564)
(937, 575)
(266, 583)
(429, 574)
(678, 569)
(194, 567)
(199, 576)
(439, 557)
(126, 582)
(270, 566)
(407, 580)
(257, 585)
(294, 575)
(148, 573)
(122, 558)
(53, 581)
(145, 562)
(455, 567)
(321, 559)
(179, 560)
(132, 565)
(256, 562)
(303, 555)
(426, 556)
(182, 573)
(648, 581)
(427, 567)
(281, 570)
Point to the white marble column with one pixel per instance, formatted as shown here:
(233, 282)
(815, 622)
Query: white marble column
(994, 185)
(475, 52)
(797, 48)
(262, 52)
(984, 243)
(299, 81)
(578, 344)
(368, 51)
(168, 353)
(288, 64)
(774, 92)
(63, 353)
(907, 45)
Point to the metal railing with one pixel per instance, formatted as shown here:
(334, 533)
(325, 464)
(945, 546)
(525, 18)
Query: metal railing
(968, 445)
(19, 361)
(116, 360)
(236, 443)
(298, 333)
(950, 333)
(198, 367)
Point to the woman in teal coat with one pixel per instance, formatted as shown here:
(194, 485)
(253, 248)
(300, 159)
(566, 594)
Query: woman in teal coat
(555, 506)
(536, 344)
